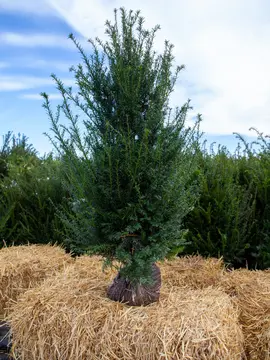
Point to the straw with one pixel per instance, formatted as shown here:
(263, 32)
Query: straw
(23, 267)
(70, 317)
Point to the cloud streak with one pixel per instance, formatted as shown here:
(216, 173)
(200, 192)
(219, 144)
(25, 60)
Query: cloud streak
(40, 7)
(35, 40)
(16, 83)
(44, 64)
(34, 96)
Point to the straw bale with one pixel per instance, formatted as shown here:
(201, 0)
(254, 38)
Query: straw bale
(23, 267)
(193, 272)
(69, 317)
(250, 290)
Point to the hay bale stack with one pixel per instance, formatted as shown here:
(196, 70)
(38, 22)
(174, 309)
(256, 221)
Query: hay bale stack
(70, 317)
(91, 267)
(250, 290)
(193, 272)
(23, 267)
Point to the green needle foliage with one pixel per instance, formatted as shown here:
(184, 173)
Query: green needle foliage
(232, 216)
(221, 222)
(30, 190)
(255, 171)
(130, 160)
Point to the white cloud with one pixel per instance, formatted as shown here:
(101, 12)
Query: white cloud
(11, 85)
(15, 83)
(224, 44)
(45, 64)
(35, 40)
(38, 63)
(87, 17)
(40, 7)
(39, 97)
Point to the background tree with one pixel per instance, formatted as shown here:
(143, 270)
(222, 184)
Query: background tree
(30, 191)
(130, 160)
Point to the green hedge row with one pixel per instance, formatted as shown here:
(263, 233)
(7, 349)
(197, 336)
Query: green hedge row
(31, 191)
(231, 217)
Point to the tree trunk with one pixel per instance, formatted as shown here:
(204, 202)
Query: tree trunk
(136, 295)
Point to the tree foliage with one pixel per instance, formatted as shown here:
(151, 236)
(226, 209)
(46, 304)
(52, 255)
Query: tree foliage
(130, 160)
(30, 191)
(232, 216)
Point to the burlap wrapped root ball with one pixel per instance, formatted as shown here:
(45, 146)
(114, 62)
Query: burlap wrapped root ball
(250, 290)
(193, 272)
(23, 267)
(70, 317)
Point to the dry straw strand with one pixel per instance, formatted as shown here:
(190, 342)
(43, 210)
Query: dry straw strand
(250, 291)
(23, 267)
(70, 317)
(193, 272)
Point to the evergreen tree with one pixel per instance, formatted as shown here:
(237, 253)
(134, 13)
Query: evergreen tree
(131, 162)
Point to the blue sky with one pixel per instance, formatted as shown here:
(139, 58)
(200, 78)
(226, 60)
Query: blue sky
(226, 50)
(25, 72)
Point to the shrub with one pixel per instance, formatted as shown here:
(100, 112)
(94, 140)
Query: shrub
(255, 173)
(232, 215)
(30, 191)
(131, 163)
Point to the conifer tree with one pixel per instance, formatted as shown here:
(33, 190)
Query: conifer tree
(131, 161)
